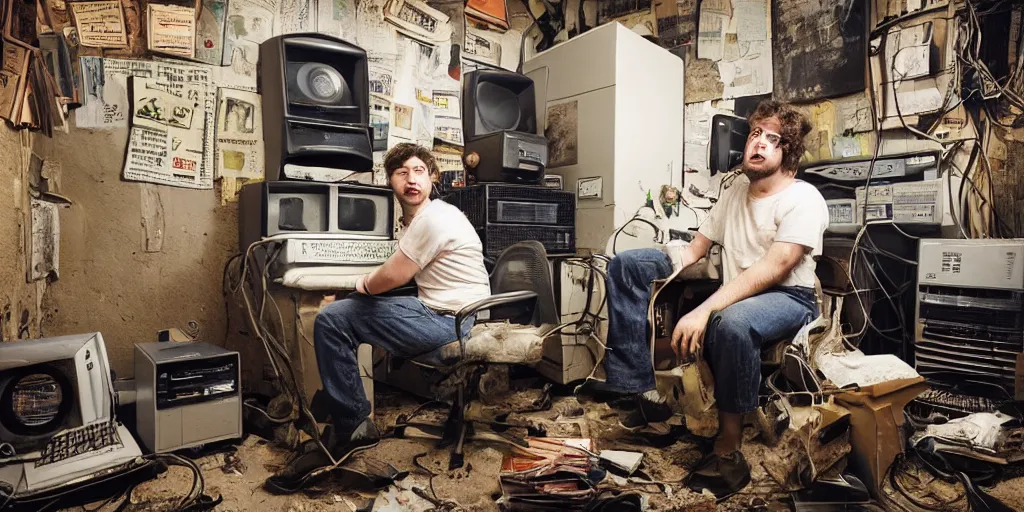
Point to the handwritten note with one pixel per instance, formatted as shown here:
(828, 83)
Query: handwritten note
(100, 24)
(172, 30)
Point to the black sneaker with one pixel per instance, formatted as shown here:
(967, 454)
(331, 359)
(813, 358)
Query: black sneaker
(723, 475)
(601, 393)
(312, 461)
(645, 412)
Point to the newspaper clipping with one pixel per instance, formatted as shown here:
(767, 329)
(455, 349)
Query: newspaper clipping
(239, 134)
(172, 30)
(165, 144)
(105, 92)
(100, 24)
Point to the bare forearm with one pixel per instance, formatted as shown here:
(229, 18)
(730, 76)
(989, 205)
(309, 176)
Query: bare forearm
(694, 251)
(381, 281)
(395, 272)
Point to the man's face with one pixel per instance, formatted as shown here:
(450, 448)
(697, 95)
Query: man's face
(762, 156)
(411, 182)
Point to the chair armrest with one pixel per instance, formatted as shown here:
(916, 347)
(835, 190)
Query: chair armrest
(486, 303)
(490, 302)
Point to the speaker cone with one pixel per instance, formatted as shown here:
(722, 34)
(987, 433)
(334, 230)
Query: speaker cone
(497, 106)
(323, 84)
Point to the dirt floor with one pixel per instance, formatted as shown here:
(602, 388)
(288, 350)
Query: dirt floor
(238, 477)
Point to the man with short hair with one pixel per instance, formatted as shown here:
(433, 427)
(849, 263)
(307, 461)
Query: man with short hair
(770, 226)
(442, 251)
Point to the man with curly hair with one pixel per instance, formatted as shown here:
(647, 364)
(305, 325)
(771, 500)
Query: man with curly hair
(442, 251)
(770, 226)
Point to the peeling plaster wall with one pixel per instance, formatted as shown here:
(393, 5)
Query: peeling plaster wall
(19, 300)
(108, 281)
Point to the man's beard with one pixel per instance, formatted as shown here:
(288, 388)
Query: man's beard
(758, 174)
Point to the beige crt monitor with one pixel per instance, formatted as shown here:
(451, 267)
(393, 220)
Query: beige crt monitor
(611, 103)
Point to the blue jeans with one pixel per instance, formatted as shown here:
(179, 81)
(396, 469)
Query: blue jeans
(402, 325)
(732, 342)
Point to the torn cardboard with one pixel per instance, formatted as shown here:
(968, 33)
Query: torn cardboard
(876, 418)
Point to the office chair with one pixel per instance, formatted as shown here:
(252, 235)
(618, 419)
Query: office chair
(512, 335)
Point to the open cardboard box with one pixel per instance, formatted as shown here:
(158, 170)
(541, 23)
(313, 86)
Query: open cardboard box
(876, 420)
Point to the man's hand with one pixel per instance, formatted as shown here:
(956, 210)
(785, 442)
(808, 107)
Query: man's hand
(361, 285)
(688, 335)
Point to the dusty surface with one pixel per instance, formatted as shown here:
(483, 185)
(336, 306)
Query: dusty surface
(108, 282)
(239, 477)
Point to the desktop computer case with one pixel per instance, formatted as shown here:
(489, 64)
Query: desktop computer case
(186, 426)
(627, 95)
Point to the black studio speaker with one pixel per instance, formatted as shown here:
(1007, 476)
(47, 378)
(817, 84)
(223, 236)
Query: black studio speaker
(316, 113)
(499, 120)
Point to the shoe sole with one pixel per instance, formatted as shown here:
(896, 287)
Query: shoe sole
(300, 483)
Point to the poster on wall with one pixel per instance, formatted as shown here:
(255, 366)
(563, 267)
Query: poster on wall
(562, 133)
(209, 43)
(165, 143)
(820, 48)
(239, 134)
(100, 24)
(105, 91)
(172, 30)
(249, 23)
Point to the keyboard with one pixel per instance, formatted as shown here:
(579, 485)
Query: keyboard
(79, 441)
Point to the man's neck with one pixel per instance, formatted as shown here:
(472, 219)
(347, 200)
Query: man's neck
(770, 185)
(410, 211)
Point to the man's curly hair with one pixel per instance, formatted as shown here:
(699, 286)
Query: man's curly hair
(794, 128)
(396, 157)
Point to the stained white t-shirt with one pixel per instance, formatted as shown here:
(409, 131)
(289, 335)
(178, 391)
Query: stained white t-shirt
(746, 227)
(448, 252)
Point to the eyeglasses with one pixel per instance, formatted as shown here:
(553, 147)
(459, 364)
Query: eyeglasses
(770, 137)
(403, 172)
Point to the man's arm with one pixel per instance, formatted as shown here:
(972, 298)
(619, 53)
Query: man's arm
(770, 270)
(398, 270)
(697, 249)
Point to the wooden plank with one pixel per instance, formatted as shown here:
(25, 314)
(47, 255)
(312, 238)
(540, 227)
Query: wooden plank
(152, 218)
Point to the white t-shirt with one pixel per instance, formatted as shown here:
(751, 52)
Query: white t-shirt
(747, 227)
(448, 251)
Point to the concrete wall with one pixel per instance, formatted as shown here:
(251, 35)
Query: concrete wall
(108, 281)
(19, 300)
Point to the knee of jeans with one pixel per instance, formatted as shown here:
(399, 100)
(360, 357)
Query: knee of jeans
(332, 318)
(731, 330)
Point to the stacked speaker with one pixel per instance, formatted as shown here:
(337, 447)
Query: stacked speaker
(499, 120)
(506, 158)
(316, 115)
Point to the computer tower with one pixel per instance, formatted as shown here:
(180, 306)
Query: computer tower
(187, 394)
(970, 311)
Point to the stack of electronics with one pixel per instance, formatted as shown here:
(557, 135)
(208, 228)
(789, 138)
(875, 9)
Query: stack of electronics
(908, 191)
(506, 158)
(970, 313)
(58, 427)
(317, 137)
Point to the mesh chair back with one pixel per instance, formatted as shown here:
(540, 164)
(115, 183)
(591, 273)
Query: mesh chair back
(524, 267)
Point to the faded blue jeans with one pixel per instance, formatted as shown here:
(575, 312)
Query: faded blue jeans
(402, 325)
(732, 342)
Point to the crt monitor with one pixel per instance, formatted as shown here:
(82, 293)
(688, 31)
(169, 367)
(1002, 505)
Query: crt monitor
(49, 385)
(728, 140)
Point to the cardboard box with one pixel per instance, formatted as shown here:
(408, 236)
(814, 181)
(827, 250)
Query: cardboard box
(876, 420)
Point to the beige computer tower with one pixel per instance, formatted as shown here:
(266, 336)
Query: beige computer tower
(187, 394)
